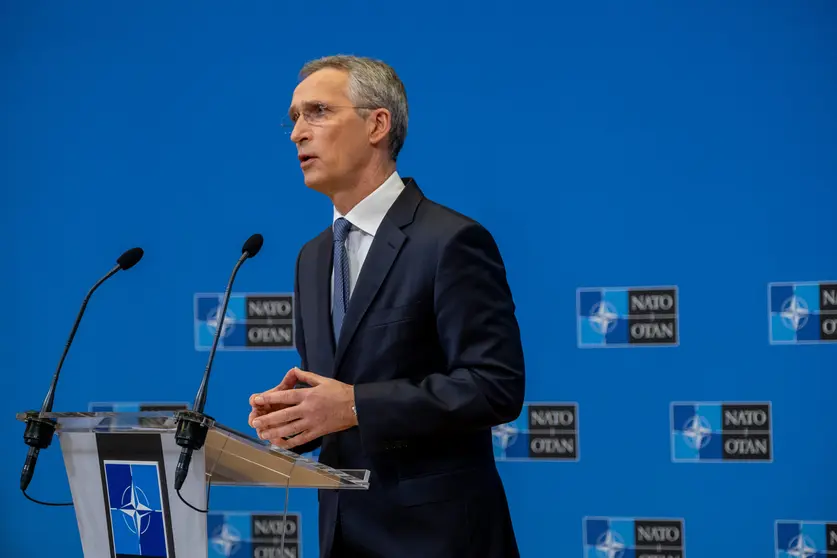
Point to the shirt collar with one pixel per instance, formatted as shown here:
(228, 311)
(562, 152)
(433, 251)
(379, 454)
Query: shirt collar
(370, 211)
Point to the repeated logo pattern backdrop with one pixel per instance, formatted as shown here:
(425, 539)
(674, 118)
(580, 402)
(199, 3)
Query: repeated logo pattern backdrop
(661, 181)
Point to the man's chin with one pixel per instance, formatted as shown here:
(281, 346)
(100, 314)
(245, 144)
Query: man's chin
(315, 181)
(311, 180)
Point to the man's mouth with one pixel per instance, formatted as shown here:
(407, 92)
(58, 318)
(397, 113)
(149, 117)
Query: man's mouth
(305, 158)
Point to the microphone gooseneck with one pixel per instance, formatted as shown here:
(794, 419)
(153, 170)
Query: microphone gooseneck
(192, 426)
(40, 430)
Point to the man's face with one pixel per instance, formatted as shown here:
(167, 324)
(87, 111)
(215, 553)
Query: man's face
(333, 141)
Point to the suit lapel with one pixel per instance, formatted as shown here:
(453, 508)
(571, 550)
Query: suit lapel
(385, 248)
(321, 301)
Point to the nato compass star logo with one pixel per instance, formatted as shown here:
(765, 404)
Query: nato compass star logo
(207, 317)
(504, 435)
(236, 534)
(794, 313)
(213, 318)
(627, 316)
(603, 317)
(610, 545)
(135, 510)
(801, 546)
(802, 313)
(225, 539)
(697, 432)
(629, 537)
(717, 431)
(136, 507)
(251, 321)
(805, 539)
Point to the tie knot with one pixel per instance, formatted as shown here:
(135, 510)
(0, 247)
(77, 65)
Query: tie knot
(341, 229)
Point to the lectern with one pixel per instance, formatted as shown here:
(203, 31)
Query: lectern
(121, 472)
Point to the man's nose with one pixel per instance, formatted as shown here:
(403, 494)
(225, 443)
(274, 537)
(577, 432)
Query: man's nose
(301, 131)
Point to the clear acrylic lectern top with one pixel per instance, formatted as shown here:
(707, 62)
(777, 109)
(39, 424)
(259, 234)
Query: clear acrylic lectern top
(231, 458)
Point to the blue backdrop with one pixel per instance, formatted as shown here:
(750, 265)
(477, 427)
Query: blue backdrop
(635, 144)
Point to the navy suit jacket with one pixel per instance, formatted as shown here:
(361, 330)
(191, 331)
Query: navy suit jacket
(431, 343)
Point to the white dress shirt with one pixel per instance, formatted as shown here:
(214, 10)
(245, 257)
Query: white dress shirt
(365, 218)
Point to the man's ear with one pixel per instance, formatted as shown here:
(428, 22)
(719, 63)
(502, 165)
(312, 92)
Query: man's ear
(379, 124)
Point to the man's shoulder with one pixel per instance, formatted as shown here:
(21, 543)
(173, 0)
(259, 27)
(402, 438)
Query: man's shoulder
(442, 218)
(442, 224)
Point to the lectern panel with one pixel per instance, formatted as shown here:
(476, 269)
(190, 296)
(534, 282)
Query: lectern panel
(123, 496)
(121, 468)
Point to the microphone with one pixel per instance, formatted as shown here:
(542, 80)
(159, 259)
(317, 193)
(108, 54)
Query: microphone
(39, 430)
(193, 426)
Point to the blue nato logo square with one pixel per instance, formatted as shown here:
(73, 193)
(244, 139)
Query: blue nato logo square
(602, 317)
(206, 318)
(794, 312)
(135, 502)
(809, 539)
(230, 535)
(511, 440)
(606, 537)
(696, 432)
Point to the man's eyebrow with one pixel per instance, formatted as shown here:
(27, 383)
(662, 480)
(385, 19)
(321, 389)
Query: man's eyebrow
(305, 104)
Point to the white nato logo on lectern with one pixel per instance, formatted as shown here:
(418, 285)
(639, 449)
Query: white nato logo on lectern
(135, 509)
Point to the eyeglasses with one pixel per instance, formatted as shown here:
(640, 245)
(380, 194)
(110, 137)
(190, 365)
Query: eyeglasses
(315, 113)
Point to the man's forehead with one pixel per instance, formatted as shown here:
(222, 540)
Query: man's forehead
(328, 84)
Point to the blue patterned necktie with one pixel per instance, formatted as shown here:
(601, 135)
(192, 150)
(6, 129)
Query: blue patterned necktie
(340, 299)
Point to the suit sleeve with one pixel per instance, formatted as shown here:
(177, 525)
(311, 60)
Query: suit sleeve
(299, 341)
(484, 383)
(299, 334)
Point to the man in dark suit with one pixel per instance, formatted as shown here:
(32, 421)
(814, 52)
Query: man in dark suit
(410, 350)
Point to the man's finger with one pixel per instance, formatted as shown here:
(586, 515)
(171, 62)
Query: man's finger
(308, 377)
(278, 418)
(285, 430)
(256, 413)
(255, 395)
(289, 397)
(303, 438)
(290, 379)
(287, 383)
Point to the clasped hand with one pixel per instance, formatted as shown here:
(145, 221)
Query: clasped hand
(305, 413)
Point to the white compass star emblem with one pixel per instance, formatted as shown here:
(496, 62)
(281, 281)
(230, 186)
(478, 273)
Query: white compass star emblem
(215, 316)
(504, 435)
(135, 510)
(226, 540)
(801, 547)
(610, 545)
(697, 431)
(603, 317)
(795, 313)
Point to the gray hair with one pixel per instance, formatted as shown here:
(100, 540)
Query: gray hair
(372, 83)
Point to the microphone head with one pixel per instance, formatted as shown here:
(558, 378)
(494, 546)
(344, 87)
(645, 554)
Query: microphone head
(253, 245)
(130, 258)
